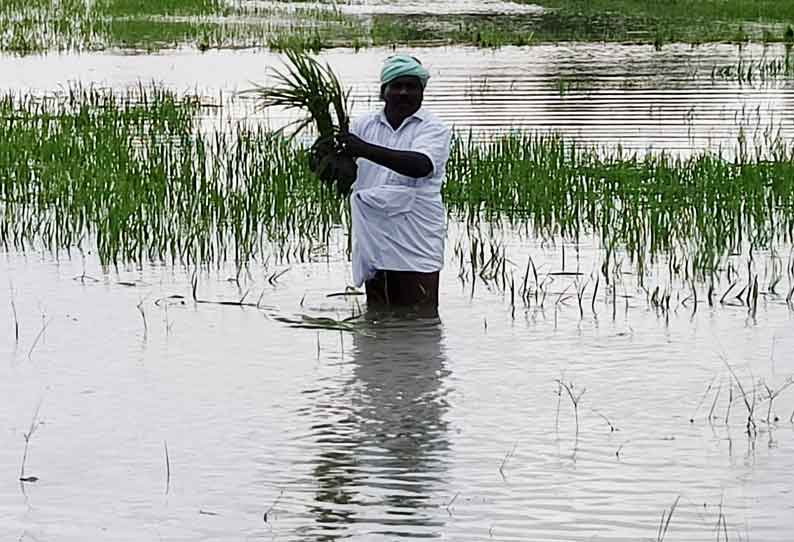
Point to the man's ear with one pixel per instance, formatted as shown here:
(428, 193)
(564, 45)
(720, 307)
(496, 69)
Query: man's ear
(383, 92)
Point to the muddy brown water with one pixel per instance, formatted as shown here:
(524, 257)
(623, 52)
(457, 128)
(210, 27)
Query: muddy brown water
(402, 429)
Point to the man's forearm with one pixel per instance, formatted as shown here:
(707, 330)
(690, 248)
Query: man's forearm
(408, 163)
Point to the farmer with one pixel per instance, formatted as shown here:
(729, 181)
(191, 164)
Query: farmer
(398, 216)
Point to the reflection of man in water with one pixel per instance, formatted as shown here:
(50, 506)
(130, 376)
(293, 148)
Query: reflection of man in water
(398, 215)
(383, 437)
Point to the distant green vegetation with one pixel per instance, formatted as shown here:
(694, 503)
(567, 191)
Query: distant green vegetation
(663, 21)
(490, 32)
(162, 7)
(653, 22)
(41, 25)
(132, 177)
(635, 21)
(680, 10)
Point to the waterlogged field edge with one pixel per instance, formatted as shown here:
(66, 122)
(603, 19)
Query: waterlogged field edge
(130, 176)
(40, 25)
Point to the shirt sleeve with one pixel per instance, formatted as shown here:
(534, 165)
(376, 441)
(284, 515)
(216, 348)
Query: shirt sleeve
(433, 140)
(355, 126)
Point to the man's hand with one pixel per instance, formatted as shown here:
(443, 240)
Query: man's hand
(408, 163)
(333, 168)
(353, 144)
(319, 156)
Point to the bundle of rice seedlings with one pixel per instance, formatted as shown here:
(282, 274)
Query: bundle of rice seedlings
(307, 85)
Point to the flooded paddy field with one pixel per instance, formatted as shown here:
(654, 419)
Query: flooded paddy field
(393, 430)
(181, 357)
(679, 99)
(39, 25)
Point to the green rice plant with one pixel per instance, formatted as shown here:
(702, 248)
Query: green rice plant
(37, 25)
(395, 30)
(305, 41)
(761, 71)
(700, 207)
(131, 176)
(313, 88)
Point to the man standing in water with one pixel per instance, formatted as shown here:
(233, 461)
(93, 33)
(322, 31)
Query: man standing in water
(399, 221)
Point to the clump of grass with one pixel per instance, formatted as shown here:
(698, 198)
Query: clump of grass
(308, 41)
(646, 204)
(760, 71)
(37, 25)
(788, 35)
(313, 88)
(132, 174)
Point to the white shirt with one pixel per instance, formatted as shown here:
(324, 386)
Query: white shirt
(399, 223)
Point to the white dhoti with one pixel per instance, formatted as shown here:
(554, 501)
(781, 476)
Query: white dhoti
(397, 228)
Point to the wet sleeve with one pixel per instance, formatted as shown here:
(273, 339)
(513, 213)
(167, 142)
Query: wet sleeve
(433, 140)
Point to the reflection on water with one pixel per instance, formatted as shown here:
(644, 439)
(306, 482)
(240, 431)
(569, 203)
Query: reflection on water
(381, 439)
(599, 94)
(372, 438)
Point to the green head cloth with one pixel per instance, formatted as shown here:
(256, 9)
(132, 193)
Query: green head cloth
(401, 65)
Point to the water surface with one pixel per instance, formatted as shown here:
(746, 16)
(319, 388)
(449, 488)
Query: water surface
(402, 429)
(675, 99)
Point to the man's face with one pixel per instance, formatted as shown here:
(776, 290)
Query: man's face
(404, 95)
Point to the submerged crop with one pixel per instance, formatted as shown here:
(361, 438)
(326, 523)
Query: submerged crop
(133, 178)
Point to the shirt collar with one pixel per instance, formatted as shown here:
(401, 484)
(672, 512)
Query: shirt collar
(420, 115)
